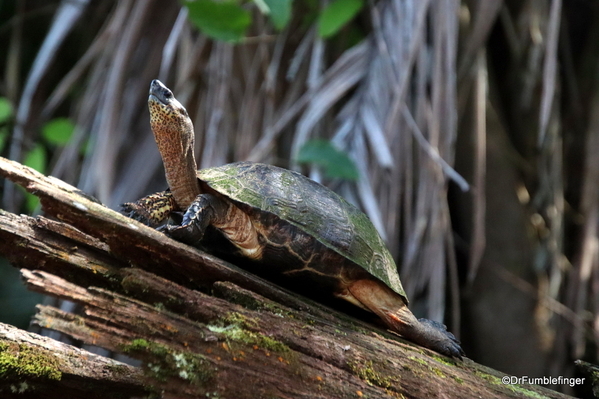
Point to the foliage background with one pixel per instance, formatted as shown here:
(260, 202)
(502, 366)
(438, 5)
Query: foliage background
(425, 97)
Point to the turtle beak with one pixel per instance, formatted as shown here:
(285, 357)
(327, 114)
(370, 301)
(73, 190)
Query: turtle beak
(160, 93)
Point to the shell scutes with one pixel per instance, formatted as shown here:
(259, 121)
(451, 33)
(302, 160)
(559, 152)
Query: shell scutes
(311, 207)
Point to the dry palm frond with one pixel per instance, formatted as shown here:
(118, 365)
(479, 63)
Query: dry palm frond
(66, 17)
(395, 153)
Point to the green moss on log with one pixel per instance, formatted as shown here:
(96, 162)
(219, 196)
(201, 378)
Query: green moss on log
(23, 362)
(167, 362)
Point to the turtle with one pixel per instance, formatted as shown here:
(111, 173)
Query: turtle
(286, 225)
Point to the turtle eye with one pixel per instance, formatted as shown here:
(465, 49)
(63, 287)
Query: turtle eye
(168, 94)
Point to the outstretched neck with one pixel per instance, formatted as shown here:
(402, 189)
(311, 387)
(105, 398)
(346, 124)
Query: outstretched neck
(174, 135)
(176, 148)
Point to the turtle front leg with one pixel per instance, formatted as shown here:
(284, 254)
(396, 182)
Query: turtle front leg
(153, 209)
(208, 209)
(389, 306)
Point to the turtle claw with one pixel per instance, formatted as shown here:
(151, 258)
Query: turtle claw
(436, 337)
(188, 233)
(203, 211)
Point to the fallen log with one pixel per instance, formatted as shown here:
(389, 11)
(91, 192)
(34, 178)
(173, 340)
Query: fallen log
(56, 370)
(200, 326)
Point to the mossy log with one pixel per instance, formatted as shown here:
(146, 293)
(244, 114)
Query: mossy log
(35, 366)
(200, 326)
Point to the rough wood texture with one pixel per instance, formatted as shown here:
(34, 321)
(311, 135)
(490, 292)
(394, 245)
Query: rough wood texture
(202, 327)
(57, 370)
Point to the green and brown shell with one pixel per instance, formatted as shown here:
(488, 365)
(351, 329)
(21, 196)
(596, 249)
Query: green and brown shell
(309, 207)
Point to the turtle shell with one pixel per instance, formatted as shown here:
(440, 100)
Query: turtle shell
(311, 208)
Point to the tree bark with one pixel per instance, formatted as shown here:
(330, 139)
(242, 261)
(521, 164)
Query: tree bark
(201, 327)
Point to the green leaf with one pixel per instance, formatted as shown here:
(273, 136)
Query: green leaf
(280, 12)
(36, 159)
(337, 14)
(58, 131)
(5, 109)
(221, 20)
(335, 163)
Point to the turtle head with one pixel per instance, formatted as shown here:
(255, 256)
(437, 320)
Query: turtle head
(168, 117)
(173, 131)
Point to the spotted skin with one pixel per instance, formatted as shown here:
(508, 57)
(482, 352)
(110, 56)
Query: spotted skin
(153, 209)
(173, 132)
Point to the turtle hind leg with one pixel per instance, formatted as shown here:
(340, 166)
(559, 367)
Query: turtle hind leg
(153, 209)
(436, 337)
(428, 333)
(390, 307)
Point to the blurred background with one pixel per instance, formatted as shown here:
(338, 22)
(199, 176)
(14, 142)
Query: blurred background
(468, 131)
